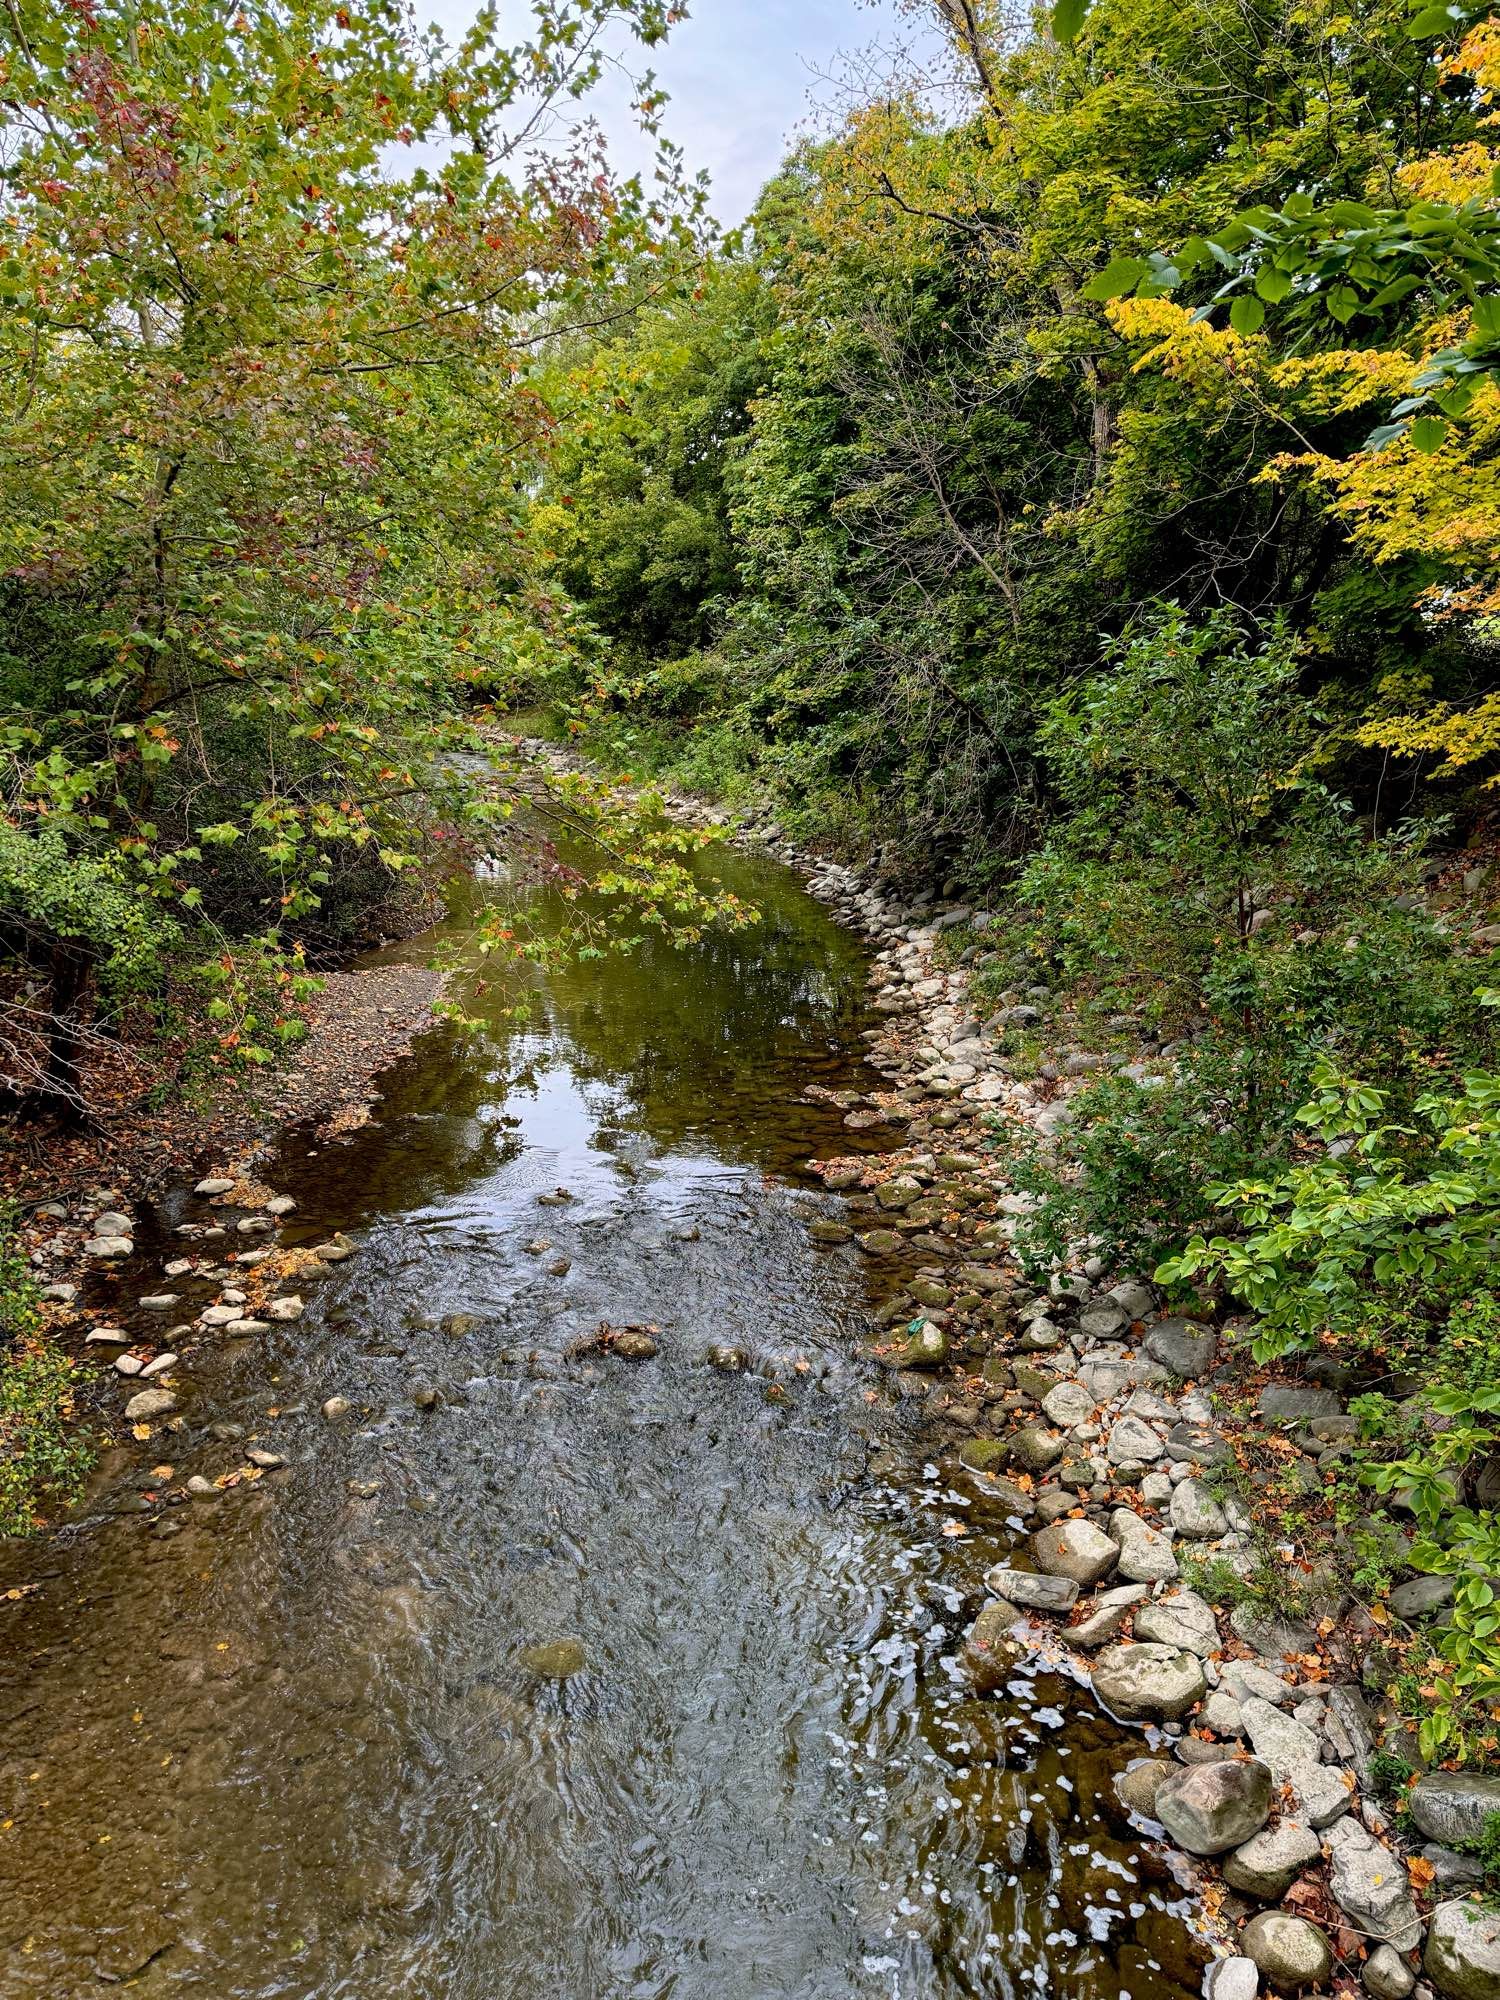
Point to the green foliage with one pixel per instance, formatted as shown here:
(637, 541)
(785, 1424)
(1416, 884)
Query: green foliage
(272, 285)
(43, 1459)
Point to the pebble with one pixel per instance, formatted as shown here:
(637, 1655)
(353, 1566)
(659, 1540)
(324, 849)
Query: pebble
(268, 1461)
(336, 1407)
(213, 1186)
(148, 1404)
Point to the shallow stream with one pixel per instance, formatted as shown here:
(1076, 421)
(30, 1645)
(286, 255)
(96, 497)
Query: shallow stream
(601, 1680)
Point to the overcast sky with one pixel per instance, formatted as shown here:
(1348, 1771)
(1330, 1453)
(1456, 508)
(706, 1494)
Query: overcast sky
(743, 77)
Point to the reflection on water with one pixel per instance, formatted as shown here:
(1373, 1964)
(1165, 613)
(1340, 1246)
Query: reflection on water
(600, 1680)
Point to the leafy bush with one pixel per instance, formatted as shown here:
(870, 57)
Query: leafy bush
(1379, 1249)
(43, 1460)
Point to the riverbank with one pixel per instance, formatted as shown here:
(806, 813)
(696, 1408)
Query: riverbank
(1133, 1451)
(1152, 1467)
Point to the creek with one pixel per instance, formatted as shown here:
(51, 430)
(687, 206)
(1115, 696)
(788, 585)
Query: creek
(602, 1679)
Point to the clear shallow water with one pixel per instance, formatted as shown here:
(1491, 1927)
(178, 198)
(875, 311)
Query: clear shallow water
(295, 1743)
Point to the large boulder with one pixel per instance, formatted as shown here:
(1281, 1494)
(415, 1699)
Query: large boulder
(1195, 1512)
(1292, 1953)
(1463, 1951)
(1145, 1682)
(1451, 1807)
(1369, 1884)
(1074, 1548)
(1210, 1808)
(1183, 1620)
(1267, 1865)
(1145, 1553)
(1183, 1347)
(1037, 1593)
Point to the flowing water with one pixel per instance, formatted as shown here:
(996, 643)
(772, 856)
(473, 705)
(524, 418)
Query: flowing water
(602, 1680)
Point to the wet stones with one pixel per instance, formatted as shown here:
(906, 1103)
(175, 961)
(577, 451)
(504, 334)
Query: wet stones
(1463, 1952)
(1211, 1808)
(879, 1242)
(1074, 1549)
(989, 1652)
(1290, 1953)
(926, 1348)
(1146, 1682)
(633, 1343)
(727, 1360)
(149, 1404)
(1136, 1787)
(555, 1659)
(215, 1184)
(335, 1408)
(1037, 1593)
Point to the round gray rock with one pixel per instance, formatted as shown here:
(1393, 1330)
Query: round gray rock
(1463, 1951)
(1148, 1682)
(1291, 1953)
(1232, 1979)
(1076, 1549)
(1210, 1808)
(1268, 1865)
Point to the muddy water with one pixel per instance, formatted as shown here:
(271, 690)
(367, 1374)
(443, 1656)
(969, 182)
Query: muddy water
(315, 1739)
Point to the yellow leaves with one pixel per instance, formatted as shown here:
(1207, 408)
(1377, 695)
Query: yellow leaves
(1420, 1872)
(1202, 357)
(1460, 736)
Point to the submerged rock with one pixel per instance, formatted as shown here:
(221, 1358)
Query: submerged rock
(555, 1659)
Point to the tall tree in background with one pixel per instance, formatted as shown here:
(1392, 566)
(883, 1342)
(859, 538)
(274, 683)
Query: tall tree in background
(270, 280)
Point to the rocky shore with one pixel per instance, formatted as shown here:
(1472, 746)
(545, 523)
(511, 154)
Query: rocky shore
(1102, 1429)
(1106, 1428)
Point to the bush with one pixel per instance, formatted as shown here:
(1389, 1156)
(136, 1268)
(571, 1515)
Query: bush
(1378, 1250)
(43, 1460)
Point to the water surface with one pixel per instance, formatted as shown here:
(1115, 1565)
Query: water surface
(309, 1741)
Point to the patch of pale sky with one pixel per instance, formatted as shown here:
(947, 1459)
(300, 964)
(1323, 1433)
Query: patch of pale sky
(744, 78)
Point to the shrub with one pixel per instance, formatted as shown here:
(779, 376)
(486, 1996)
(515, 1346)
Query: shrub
(43, 1460)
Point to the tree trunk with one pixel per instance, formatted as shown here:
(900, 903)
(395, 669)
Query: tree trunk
(60, 1093)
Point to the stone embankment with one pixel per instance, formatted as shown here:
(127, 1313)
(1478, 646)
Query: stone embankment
(1096, 1419)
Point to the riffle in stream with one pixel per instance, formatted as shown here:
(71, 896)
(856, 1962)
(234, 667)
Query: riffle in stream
(600, 1680)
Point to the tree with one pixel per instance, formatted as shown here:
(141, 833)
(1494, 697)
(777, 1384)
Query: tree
(267, 437)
